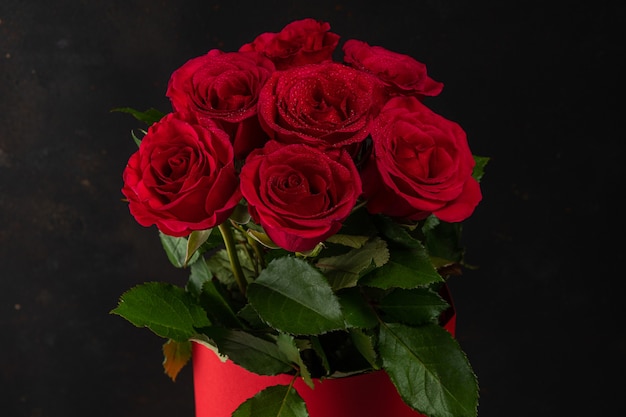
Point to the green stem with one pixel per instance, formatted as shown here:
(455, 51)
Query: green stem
(258, 260)
(257, 251)
(229, 241)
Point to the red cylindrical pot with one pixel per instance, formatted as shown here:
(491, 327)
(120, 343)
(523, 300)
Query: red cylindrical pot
(220, 387)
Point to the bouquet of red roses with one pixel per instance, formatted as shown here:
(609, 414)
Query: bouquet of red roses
(318, 205)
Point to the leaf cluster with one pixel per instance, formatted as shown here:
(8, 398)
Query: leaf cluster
(370, 298)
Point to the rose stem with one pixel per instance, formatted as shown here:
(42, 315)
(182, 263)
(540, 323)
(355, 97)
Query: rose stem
(229, 241)
(257, 251)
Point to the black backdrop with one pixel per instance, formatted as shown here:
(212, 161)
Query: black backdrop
(538, 88)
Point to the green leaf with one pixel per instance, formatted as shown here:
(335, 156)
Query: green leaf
(249, 315)
(220, 265)
(356, 310)
(215, 303)
(443, 241)
(294, 297)
(343, 271)
(409, 268)
(176, 250)
(430, 223)
(348, 240)
(286, 343)
(195, 240)
(318, 348)
(167, 310)
(263, 239)
(250, 352)
(198, 277)
(366, 345)
(136, 138)
(274, 401)
(479, 168)
(429, 369)
(240, 215)
(396, 233)
(414, 307)
(149, 116)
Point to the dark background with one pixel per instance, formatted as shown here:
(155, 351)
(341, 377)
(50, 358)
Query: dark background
(537, 87)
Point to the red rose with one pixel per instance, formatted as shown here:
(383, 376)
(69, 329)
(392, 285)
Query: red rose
(421, 164)
(322, 105)
(224, 87)
(182, 177)
(306, 41)
(401, 74)
(300, 195)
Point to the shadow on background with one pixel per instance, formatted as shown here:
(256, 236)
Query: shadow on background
(533, 86)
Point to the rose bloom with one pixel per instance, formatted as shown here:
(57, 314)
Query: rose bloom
(182, 177)
(421, 164)
(401, 74)
(224, 87)
(300, 195)
(322, 105)
(306, 41)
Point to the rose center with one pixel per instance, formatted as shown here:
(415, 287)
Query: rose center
(290, 182)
